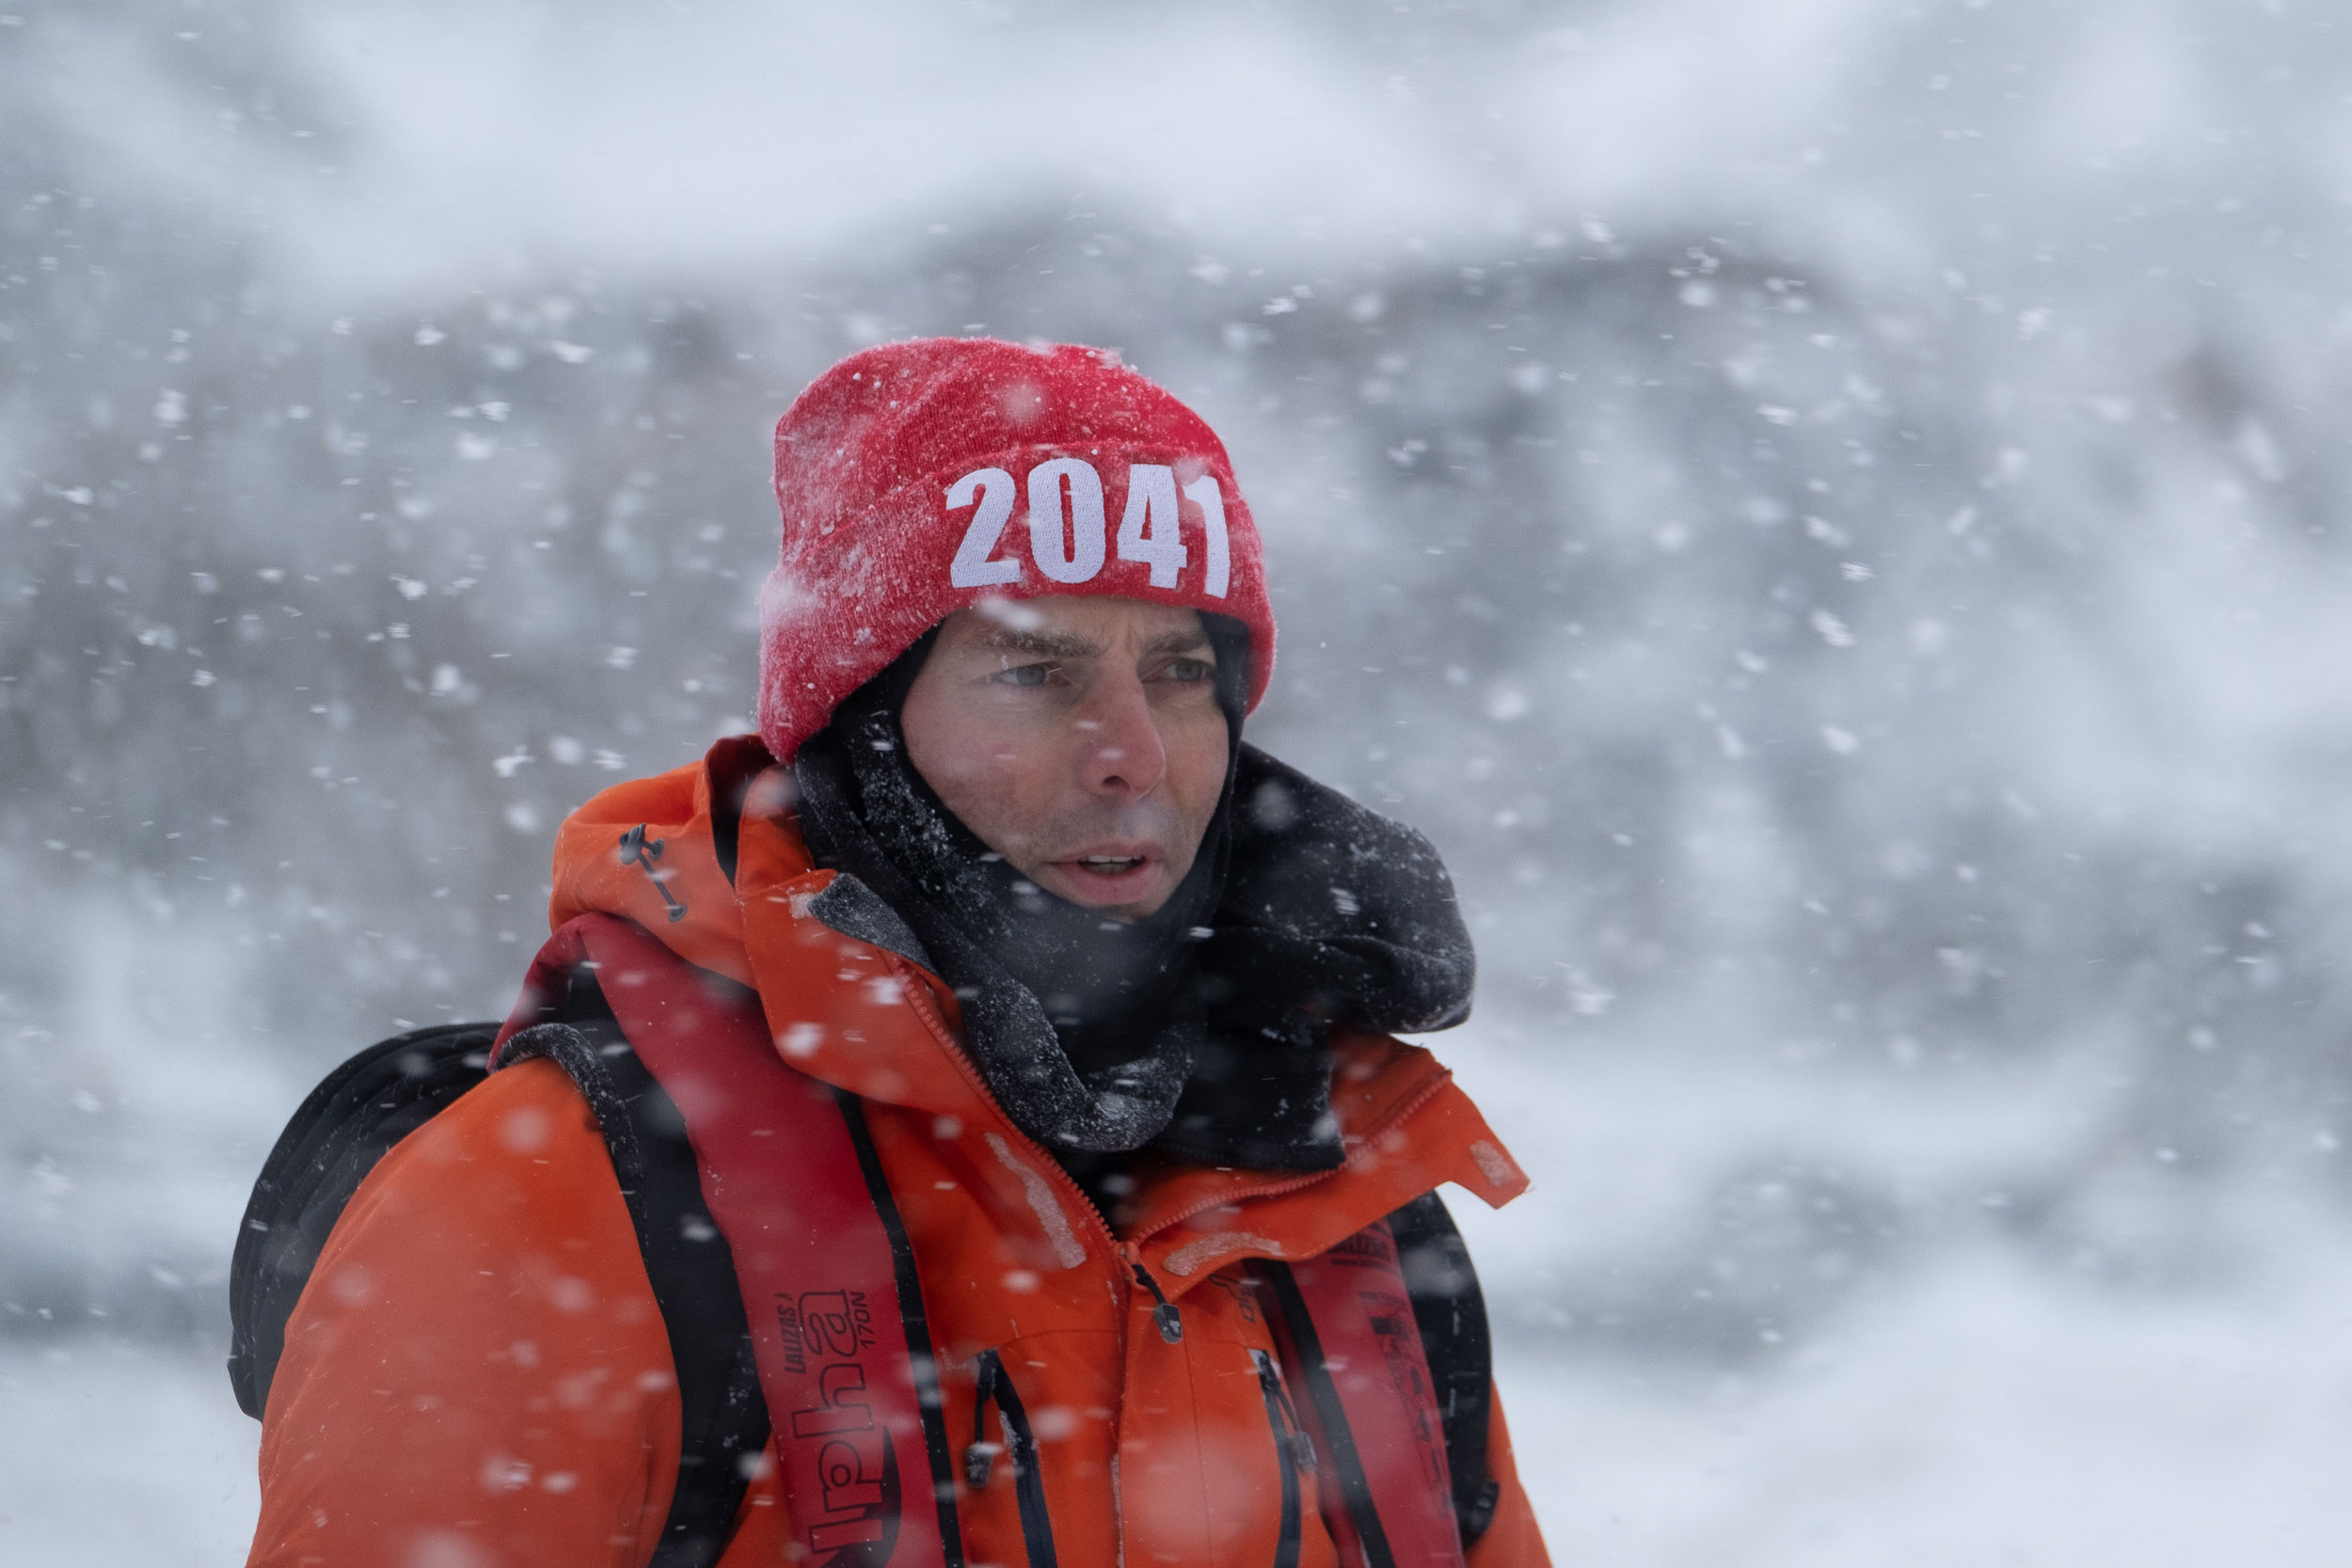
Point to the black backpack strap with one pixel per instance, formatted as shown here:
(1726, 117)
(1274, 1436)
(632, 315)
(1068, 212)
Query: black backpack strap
(722, 1419)
(347, 1124)
(1451, 1312)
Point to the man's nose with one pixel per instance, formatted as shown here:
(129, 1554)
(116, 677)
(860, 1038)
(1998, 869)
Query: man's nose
(1122, 753)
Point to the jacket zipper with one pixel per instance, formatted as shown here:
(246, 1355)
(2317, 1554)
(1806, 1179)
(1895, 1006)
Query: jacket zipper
(1020, 1446)
(1293, 1451)
(1165, 1314)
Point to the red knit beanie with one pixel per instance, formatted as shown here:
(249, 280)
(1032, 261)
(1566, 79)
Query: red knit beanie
(917, 479)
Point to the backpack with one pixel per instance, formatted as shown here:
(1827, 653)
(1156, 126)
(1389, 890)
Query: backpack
(366, 1106)
(388, 1090)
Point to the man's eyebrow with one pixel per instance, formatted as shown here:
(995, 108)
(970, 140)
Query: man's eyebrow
(1069, 644)
(1179, 642)
(1049, 644)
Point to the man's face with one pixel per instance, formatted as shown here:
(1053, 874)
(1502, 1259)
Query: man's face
(1078, 738)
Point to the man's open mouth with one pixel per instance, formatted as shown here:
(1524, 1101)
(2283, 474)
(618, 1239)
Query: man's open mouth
(1109, 865)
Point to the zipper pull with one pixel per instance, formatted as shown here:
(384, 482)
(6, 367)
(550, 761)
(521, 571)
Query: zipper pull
(637, 849)
(1295, 1440)
(979, 1463)
(1172, 1323)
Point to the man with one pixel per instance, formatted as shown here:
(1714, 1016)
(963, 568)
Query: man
(1097, 993)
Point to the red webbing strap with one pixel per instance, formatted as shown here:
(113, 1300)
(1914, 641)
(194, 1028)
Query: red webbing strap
(837, 1327)
(1351, 1339)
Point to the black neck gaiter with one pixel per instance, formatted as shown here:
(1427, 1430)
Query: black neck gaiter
(1202, 1030)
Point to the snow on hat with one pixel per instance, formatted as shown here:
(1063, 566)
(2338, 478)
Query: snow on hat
(921, 478)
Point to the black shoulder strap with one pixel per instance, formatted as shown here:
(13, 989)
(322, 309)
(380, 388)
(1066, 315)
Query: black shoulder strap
(347, 1124)
(1451, 1312)
(723, 1418)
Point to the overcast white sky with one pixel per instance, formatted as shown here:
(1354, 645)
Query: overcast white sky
(728, 131)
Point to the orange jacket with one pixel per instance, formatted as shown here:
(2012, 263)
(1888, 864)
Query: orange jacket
(477, 1373)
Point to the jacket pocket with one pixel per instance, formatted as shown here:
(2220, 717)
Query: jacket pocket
(1020, 1446)
(1293, 1451)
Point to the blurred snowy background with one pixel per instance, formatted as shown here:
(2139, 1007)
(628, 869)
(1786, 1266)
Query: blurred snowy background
(1834, 512)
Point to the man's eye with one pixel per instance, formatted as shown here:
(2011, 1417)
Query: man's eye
(1190, 669)
(1025, 674)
